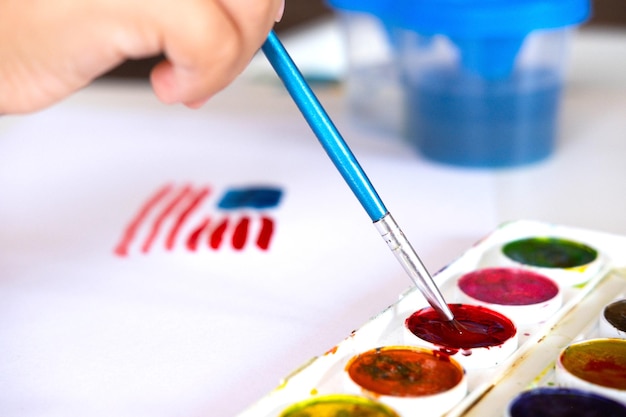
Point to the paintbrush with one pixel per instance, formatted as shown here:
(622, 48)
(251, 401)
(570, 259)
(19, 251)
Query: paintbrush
(353, 174)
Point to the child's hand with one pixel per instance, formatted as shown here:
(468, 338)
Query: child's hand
(50, 49)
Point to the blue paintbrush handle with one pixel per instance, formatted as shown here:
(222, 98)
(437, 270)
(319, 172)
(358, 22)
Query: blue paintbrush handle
(323, 127)
(348, 166)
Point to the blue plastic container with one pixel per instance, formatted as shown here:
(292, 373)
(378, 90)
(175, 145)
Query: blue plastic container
(479, 81)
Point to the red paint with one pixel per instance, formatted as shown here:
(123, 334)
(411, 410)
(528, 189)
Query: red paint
(175, 206)
(156, 226)
(194, 237)
(240, 235)
(129, 233)
(265, 234)
(215, 240)
(599, 365)
(508, 286)
(193, 204)
(480, 327)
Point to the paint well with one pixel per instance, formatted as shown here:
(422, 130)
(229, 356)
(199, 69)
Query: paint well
(404, 372)
(615, 315)
(338, 405)
(549, 252)
(508, 286)
(563, 402)
(482, 327)
(600, 362)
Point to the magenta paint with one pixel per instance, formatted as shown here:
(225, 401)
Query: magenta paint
(508, 286)
(483, 328)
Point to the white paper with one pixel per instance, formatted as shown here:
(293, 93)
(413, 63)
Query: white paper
(176, 332)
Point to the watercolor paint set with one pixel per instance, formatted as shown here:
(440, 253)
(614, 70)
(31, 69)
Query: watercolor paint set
(552, 302)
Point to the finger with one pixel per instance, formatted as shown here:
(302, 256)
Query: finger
(280, 12)
(211, 51)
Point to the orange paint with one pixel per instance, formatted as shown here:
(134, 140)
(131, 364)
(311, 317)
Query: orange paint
(332, 350)
(404, 372)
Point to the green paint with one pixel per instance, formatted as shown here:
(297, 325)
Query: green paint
(548, 252)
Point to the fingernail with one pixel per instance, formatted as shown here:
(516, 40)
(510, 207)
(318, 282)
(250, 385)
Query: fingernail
(281, 11)
(196, 104)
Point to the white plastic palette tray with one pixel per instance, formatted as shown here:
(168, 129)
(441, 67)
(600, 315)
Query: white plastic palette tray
(490, 390)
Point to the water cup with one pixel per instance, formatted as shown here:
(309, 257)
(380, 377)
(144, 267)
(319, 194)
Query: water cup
(374, 94)
(478, 82)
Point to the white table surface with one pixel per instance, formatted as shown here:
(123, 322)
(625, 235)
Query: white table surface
(84, 332)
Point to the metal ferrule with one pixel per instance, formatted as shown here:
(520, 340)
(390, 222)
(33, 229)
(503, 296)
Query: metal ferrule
(406, 255)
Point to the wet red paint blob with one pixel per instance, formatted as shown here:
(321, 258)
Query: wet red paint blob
(508, 286)
(240, 234)
(215, 240)
(194, 237)
(477, 327)
(265, 235)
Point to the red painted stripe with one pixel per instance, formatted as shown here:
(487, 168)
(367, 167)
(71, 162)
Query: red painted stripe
(156, 226)
(265, 234)
(129, 232)
(240, 234)
(193, 204)
(215, 240)
(192, 240)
